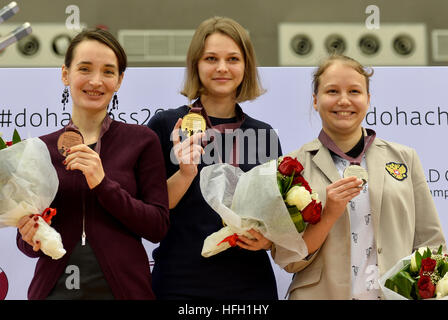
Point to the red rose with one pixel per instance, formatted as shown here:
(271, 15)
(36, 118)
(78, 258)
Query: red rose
(428, 265)
(312, 211)
(425, 287)
(9, 143)
(288, 165)
(300, 179)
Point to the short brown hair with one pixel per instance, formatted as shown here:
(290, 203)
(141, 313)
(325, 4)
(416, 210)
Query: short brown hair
(103, 37)
(250, 88)
(346, 60)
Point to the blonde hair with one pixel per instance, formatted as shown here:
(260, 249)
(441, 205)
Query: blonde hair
(347, 61)
(250, 87)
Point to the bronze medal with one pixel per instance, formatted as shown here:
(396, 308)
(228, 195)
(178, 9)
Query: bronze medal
(357, 171)
(193, 123)
(67, 140)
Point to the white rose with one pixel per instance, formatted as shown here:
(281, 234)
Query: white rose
(298, 196)
(315, 196)
(421, 250)
(442, 287)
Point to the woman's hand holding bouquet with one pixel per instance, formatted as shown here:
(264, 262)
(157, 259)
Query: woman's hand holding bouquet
(28, 185)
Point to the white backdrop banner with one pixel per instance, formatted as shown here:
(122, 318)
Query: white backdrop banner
(408, 106)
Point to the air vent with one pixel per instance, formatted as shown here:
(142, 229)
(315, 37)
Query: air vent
(44, 47)
(305, 44)
(155, 45)
(440, 45)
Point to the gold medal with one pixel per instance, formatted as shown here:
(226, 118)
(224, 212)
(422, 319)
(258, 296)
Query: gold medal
(67, 140)
(357, 171)
(193, 123)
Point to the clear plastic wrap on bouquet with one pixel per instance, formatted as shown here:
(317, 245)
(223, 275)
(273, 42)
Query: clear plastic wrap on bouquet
(390, 294)
(28, 185)
(246, 200)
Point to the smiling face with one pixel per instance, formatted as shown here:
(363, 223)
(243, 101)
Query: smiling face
(342, 100)
(221, 66)
(93, 76)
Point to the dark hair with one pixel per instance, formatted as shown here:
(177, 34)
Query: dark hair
(102, 36)
(344, 59)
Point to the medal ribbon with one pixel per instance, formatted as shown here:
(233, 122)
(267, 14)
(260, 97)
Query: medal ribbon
(197, 107)
(104, 127)
(327, 142)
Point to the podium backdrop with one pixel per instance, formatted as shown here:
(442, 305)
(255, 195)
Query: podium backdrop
(408, 106)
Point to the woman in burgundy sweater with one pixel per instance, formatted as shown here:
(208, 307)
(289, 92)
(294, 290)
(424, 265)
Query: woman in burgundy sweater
(112, 188)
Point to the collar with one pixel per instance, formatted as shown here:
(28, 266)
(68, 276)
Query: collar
(107, 121)
(240, 117)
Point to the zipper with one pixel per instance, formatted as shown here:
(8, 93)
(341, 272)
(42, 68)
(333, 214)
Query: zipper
(83, 235)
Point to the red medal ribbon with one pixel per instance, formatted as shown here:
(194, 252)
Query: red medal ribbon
(231, 240)
(325, 139)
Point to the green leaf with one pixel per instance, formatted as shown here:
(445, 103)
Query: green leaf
(440, 250)
(293, 210)
(16, 137)
(289, 182)
(284, 188)
(2, 144)
(427, 253)
(418, 260)
(443, 268)
(297, 218)
(402, 282)
(280, 185)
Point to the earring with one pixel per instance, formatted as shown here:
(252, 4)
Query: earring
(65, 96)
(114, 104)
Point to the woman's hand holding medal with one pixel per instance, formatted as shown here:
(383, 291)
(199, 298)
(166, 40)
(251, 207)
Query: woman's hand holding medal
(188, 152)
(340, 193)
(81, 157)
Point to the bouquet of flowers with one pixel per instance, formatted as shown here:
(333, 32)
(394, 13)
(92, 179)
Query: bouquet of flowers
(422, 275)
(303, 205)
(255, 199)
(28, 185)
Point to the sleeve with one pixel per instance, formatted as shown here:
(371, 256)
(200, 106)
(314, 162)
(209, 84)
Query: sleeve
(270, 147)
(279, 149)
(162, 124)
(156, 124)
(147, 216)
(428, 230)
(159, 125)
(278, 252)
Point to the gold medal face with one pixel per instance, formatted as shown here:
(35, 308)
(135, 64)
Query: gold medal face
(193, 123)
(67, 140)
(357, 171)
